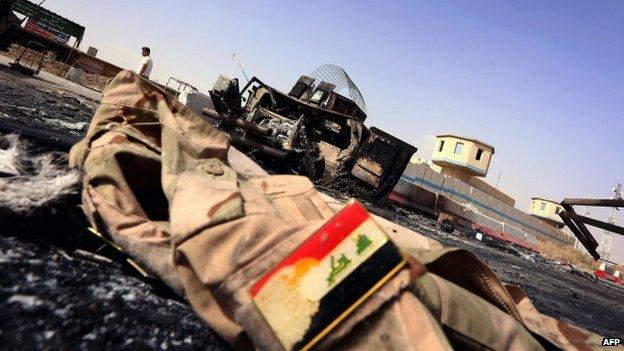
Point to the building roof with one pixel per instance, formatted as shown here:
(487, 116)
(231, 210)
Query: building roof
(41, 14)
(544, 199)
(467, 139)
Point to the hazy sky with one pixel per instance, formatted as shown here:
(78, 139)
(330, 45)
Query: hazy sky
(542, 81)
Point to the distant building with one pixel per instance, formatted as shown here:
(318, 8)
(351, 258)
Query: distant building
(453, 177)
(91, 51)
(450, 184)
(466, 159)
(461, 156)
(546, 210)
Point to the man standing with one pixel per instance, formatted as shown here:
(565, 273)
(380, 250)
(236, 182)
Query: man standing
(145, 68)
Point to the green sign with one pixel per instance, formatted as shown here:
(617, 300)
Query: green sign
(48, 18)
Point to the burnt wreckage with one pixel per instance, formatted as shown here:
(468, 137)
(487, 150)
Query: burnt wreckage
(313, 129)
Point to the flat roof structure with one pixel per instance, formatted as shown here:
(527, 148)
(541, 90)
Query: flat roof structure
(467, 139)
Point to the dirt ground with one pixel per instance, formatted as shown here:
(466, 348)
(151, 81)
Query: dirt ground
(52, 298)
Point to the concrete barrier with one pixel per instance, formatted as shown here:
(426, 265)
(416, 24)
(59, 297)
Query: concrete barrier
(618, 278)
(604, 273)
(525, 227)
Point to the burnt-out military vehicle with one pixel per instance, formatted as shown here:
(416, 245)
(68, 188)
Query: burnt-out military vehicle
(313, 128)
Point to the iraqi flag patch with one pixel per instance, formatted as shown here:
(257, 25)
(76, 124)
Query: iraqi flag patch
(322, 281)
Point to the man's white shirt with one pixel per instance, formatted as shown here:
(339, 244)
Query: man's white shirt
(147, 61)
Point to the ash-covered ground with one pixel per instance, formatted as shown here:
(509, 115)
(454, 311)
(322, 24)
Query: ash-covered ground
(53, 298)
(42, 111)
(50, 299)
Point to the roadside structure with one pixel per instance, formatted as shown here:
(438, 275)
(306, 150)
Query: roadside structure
(468, 160)
(462, 157)
(48, 29)
(51, 33)
(546, 210)
(450, 186)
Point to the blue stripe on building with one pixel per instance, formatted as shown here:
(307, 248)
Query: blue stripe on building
(416, 180)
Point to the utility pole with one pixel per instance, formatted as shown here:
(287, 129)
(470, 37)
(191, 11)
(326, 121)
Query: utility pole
(604, 249)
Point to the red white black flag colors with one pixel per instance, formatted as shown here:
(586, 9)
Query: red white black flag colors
(326, 278)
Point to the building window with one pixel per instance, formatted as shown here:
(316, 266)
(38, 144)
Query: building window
(542, 206)
(441, 145)
(459, 147)
(479, 153)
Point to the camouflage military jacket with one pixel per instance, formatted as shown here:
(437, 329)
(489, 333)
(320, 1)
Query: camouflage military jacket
(165, 185)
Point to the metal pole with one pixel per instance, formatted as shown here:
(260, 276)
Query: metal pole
(497, 180)
(605, 243)
(235, 58)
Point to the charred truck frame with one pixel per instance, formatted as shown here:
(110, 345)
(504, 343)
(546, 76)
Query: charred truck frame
(313, 129)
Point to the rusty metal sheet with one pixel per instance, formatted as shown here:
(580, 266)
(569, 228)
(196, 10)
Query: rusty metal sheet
(370, 165)
(330, 153)
(365, 175)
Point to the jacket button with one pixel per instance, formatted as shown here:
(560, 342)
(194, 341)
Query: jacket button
(214, 169)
